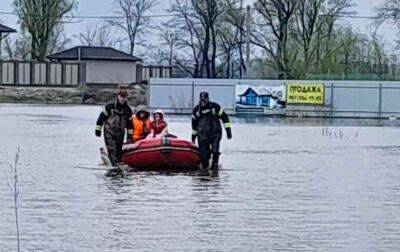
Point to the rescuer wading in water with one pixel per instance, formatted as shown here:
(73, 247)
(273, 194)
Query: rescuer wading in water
(207, 128)
(115, 117)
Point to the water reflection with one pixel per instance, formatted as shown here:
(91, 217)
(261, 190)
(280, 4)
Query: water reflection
(280, 188)
(275, 121)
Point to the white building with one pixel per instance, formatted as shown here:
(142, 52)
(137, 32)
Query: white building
(104, 66)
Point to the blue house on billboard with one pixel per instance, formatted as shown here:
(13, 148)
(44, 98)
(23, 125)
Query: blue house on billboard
(255, 97)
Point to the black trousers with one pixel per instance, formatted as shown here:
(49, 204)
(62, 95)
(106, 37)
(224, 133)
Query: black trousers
(209, 146)
(114, 145)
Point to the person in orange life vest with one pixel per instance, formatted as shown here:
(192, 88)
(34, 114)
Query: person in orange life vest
(140, 124)
(158, 127)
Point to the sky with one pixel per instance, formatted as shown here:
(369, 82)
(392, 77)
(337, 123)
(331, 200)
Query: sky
(106, 7)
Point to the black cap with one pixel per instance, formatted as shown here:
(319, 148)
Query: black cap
(204, 95)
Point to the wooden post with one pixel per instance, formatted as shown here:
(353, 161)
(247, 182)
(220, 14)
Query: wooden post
(81, 73)
(48, 65)
(138, 74)
(31, 72)
(16, 73)
(63, 74)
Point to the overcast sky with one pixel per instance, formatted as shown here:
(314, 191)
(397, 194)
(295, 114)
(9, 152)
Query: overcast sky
(105, 7)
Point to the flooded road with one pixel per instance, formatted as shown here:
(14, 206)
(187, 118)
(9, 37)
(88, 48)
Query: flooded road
(280, 188)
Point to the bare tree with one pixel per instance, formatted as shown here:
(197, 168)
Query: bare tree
(169, 40)
(98, 36)
(18, 48)
(58, 41)
(189, 31)
(272, 33)
(40, 18)
(389, 10)
(334, 9)
(197, 22)
(208, 13)
(233, 35)
(135, 21)
(307, 22)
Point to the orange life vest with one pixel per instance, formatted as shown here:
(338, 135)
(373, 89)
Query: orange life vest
(141, 128)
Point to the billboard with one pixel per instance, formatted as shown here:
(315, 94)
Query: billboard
(312, 93)
(260, 96)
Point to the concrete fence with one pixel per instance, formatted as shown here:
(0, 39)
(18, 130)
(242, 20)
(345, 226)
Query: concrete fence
(25, 73)
(147, 72)
(31, 73)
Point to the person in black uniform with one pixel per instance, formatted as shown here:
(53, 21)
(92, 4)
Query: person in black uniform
(116, 117)
(207, 128)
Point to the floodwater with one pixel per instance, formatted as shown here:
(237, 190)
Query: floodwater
(282, 187)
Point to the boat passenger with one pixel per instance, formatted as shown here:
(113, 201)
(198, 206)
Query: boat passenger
(140, 124)
(158, 127)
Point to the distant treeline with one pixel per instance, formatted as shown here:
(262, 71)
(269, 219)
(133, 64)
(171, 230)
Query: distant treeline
(293, 39)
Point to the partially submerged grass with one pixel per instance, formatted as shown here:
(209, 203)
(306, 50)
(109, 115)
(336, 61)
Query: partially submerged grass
(12, 182)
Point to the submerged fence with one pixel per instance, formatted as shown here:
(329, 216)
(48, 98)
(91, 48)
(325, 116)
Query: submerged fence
(180, 95)
(25, 73)
(361, 99)
(370, 99)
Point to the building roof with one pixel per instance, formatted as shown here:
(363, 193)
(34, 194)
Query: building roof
(260, 91)
(93, 53)
(5, 29)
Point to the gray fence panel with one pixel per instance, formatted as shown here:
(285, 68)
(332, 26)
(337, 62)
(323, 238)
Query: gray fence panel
(171, 97)
(391, 100)
(71, 74)
(328, 94)
(166, 73)
(24, 73)
(145, 73)
(55, 74)
(356, 99)
(39, 76)
(156, 72)
(222, 94)
(7, 73)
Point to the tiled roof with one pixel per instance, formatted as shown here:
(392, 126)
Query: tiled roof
(4, 29)
(93, 53)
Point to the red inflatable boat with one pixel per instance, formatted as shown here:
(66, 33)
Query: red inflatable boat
(162, 154)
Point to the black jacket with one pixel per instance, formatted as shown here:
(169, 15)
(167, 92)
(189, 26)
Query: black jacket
(116, 118)
(206, 121)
